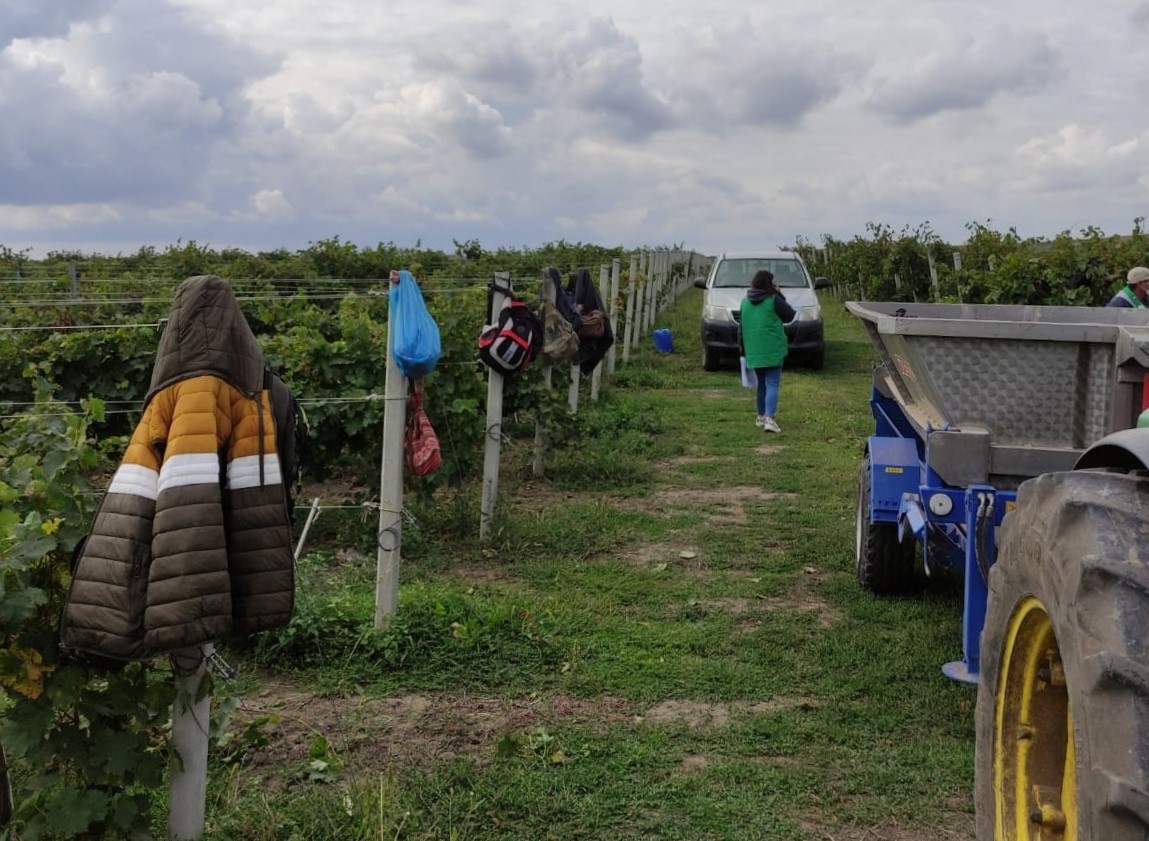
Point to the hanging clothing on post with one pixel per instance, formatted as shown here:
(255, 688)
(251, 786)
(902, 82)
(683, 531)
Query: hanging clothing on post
(588, 300)
(192, 541)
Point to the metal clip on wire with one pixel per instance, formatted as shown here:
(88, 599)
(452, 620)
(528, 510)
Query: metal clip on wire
(219, 667)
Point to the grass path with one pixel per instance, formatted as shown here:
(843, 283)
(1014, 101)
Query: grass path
(665, 640)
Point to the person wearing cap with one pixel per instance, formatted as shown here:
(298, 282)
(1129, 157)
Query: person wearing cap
(1135, 290)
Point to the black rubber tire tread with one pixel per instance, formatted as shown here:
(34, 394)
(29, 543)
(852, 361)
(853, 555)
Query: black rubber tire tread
(816, 360)
(1079, 543)
(884, 566)
(709, 359)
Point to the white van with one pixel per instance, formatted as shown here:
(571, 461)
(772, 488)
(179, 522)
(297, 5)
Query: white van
(726, 286)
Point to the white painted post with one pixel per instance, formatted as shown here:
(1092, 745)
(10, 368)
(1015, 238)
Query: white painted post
(647, 294)
(655, 285)
(934, 278)
(493, 439)
(311, 515)
(957, 281)
(640, 301)
(572, 392)
(660, 289)
(389, 537)
(596, 377)
(612, 308)
(631, 308)
(643, 298)
(187, 789)
(548, 293)
(652, 299)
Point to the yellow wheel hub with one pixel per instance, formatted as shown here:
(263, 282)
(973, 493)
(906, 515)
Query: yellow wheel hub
(1035, 779)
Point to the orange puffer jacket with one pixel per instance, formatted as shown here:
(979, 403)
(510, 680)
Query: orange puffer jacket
(192, 541)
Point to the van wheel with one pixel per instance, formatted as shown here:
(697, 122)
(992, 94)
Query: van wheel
(709, 359)
(816, 360)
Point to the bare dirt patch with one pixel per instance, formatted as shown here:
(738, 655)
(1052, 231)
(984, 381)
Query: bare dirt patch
(768, 449)
(800, 598)
(424, 730)
(725, 505)
(478, 575)
(671, 465)
(651, 554)
(696, 460)
(826, 614)
(694, 714)
(736, 606)
(694, 762)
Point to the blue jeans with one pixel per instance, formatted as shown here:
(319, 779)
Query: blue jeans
(769, 379)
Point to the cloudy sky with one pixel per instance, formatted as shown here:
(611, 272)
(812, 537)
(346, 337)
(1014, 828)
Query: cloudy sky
(721, 125)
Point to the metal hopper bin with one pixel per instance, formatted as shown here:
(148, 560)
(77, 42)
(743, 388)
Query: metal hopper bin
(969, 401)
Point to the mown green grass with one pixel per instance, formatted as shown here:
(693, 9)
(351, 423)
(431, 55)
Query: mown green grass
(633, 572)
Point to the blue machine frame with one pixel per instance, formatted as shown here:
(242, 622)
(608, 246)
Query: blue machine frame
(954, 526)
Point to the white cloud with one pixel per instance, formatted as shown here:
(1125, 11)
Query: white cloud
(271, 203)
(967, 75)
(1081, 158)
(57, 217)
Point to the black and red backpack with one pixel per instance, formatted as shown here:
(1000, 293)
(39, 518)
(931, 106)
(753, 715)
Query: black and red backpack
(514, 339)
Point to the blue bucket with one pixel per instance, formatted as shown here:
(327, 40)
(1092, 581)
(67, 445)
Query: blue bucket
(663, 342)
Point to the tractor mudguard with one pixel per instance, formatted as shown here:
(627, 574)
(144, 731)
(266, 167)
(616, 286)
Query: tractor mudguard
(894, 470)
(1124, 450)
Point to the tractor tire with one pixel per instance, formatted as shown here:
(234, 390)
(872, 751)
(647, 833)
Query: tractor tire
(1063, 700)
(885, 566)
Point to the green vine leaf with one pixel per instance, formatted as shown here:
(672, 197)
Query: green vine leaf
(71, 811)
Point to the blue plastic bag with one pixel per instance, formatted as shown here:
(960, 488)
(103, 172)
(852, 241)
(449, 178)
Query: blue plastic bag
(415, 344)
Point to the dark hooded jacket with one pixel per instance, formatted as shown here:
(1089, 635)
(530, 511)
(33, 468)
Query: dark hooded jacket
(588, 299)
(192, 541)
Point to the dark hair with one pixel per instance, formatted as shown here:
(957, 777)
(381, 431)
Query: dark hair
(764, 280)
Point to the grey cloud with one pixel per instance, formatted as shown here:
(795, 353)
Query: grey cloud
(587, 63)
(46, 18)
(782, 95)
(164, 93)
(149, 36)
(604, 73)
(776, 87)
(966, 79)
(477, 127)
(1140, 16)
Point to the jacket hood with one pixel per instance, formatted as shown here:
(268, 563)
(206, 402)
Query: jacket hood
(206, 333)
(757, 296)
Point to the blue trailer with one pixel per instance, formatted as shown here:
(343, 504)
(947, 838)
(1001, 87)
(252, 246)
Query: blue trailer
(970, 402)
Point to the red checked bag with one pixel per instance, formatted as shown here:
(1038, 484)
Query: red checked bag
(420, 443)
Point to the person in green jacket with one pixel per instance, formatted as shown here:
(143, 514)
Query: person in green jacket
(763, 339)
